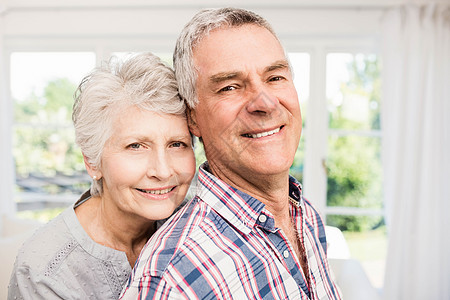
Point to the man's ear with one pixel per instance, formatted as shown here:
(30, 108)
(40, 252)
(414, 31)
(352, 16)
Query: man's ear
(192, 122)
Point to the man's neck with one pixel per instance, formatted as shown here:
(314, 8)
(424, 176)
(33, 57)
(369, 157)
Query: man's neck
(272, 190)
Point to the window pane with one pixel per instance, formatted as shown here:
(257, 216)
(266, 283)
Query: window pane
(353, 91)
(49, 167)
(299, 159)
(353, 165)
(354, 172)
(31, 71)
(300, 63)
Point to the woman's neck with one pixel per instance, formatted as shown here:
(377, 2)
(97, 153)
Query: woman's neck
(109, 226)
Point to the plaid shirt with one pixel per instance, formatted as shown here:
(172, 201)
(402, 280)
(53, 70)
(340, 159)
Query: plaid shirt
(224, 245)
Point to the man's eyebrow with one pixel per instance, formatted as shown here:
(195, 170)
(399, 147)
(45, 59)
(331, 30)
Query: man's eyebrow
(223, 76)
(279, 64)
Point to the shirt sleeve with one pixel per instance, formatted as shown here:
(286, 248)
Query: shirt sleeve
(25, 285)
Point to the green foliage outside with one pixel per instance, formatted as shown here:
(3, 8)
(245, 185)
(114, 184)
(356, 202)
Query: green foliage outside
(54, 106)
(43, 142)
(297, 166)
(354, 163)
(368, 245)
(44, 135)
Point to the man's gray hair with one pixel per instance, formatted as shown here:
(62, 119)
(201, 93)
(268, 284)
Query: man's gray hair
(141, 80)
(199, 26)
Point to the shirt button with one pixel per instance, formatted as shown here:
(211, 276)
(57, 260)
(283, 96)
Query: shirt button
(286, 254)
(262, 218)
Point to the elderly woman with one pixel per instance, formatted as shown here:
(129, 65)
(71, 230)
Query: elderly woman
(130, 125)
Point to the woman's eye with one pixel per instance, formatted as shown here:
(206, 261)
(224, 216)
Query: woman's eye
(134, 146)
(178, 144)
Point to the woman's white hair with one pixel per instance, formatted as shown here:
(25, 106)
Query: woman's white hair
(141, 80)
(199, 26)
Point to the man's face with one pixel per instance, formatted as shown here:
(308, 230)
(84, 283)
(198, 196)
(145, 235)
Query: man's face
(248, 113)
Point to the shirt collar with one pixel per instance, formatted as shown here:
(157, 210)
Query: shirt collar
(295, 191)
(235, 206)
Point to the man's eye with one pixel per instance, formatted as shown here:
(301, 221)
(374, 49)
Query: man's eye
(276, 78)
(227, 88)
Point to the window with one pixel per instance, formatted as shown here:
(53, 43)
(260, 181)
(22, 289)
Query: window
(49, 167)
(300, 63)
(353, 164)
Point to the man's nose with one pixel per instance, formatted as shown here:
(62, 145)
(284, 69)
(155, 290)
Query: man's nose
(262, 102)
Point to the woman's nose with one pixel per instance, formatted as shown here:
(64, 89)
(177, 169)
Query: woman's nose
(160, 166)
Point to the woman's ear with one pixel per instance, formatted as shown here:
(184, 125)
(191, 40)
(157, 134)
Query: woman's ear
(192, 122)
(92, 171)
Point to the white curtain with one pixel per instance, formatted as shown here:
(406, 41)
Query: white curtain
(416, 150)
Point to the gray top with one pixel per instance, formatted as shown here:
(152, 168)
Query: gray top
(61, 261)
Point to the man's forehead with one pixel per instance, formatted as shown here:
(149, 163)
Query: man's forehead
(225, 28)
(221, 45)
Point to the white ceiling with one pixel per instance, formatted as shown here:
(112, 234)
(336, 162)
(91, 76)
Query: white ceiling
(15, 4)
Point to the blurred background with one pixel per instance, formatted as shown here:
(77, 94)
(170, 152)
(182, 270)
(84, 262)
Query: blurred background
(339, 52)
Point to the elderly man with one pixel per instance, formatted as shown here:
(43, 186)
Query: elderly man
(248, 233)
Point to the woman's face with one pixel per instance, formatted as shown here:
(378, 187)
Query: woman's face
(147, 164)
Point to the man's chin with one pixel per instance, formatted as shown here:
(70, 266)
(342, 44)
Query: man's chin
(268, 169)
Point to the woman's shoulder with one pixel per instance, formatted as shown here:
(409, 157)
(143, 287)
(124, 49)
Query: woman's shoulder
(39, 249)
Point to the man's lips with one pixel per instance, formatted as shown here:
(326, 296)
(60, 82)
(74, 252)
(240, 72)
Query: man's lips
(262, 134)
(157, 191)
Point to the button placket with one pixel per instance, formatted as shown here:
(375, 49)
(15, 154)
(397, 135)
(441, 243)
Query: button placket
(262, 218)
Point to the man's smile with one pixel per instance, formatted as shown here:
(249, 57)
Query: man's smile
(262, 134)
